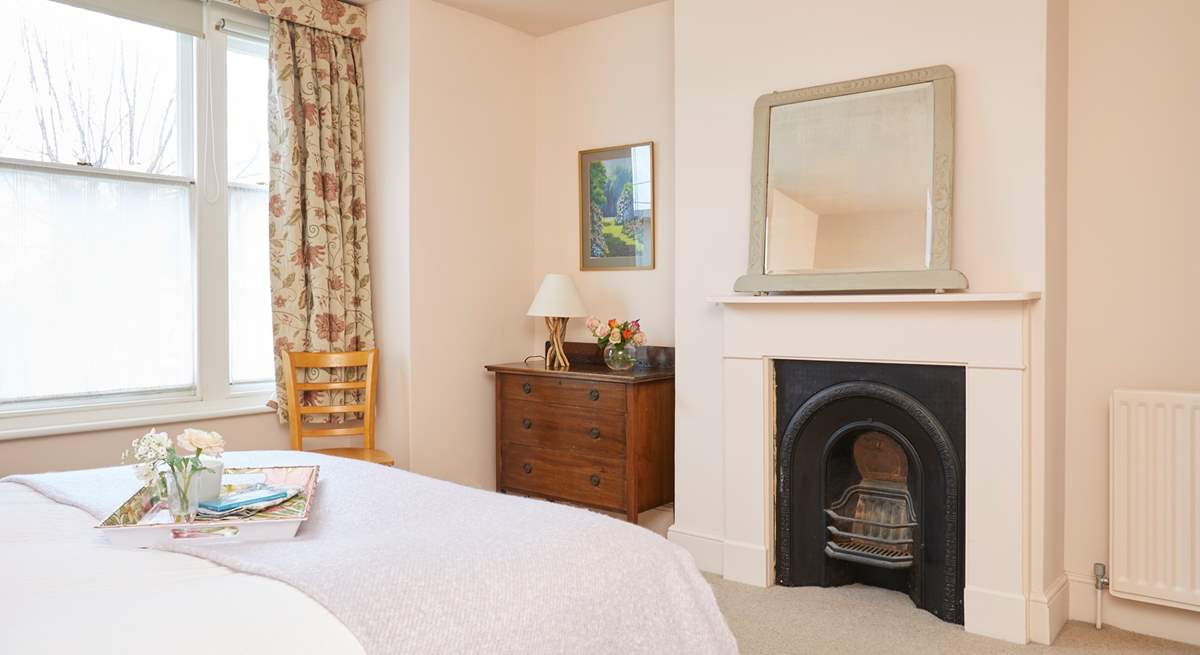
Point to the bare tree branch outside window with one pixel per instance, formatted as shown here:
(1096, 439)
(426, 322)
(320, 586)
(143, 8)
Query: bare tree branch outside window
(117, 116)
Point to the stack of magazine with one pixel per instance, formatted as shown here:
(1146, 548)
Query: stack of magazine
(245, 501)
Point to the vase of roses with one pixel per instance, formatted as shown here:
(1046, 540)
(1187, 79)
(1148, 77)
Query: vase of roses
(619, 341)
(178, 467)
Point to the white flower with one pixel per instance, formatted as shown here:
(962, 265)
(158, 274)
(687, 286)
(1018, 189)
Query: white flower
(191, 440)
(146, 471)
(639, 339)
(152, 446)
(603, 330)
(614, 337)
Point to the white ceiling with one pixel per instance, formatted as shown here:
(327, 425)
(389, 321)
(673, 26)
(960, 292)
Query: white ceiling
(538, 17)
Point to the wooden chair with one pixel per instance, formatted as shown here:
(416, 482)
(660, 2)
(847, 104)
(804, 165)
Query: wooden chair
(294, 361)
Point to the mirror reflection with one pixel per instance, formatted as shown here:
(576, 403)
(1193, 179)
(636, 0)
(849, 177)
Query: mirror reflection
(849, 182)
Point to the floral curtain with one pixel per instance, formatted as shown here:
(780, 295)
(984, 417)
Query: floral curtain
(320, 281)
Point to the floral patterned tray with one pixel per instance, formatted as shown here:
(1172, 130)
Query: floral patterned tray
(143, 520)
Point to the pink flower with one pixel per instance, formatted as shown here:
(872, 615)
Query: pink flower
(329, 327)
(276, 205)
(309, 256)
(602, 331)
(639, 339)
(325, 185)
(592, 323)
(332, 11)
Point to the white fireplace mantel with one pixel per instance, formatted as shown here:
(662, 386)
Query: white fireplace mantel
(849, 299)
(986, 333)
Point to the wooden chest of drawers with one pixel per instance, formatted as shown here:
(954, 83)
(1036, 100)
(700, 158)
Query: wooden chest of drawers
(588, 435)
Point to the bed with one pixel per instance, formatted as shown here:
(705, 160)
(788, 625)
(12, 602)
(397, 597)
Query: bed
(389, 561)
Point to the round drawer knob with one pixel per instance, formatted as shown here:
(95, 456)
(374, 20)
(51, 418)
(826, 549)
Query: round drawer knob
(595, 481)
(594, 394)
(527, 388)
(528, 468)
(526, 423)
(594, 433)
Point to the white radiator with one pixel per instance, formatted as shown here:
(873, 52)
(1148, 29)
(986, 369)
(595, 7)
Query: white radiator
(1154, 497)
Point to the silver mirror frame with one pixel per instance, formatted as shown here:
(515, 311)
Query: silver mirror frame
(938, 276)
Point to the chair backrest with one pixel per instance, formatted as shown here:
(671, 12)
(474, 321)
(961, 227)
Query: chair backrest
(293, 362)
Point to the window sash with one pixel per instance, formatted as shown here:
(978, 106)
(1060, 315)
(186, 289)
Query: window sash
(203, 126)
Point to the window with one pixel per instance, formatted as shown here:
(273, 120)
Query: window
(134, 272)
(249, 265)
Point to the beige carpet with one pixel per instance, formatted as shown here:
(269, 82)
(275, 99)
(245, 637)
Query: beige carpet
(870, 621)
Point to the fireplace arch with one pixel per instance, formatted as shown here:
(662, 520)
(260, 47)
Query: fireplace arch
(895, 524)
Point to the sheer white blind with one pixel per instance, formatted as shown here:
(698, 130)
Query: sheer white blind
(186, 16)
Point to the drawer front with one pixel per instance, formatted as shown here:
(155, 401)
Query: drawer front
(552, 426)
(605, 396)
(564, 474)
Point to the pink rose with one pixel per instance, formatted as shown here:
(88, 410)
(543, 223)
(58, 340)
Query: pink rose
(639, 339)
(602, 331)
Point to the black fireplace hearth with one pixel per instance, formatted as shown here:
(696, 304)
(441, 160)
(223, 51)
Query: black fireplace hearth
(870, 464)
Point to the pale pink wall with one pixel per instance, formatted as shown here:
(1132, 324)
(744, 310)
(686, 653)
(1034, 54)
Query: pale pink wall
(1133, 319)
(386, 64)
(103, 448)
(605, 83)
(471, 230)
(727, 54)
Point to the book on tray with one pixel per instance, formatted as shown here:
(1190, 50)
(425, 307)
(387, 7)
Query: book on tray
(245, 501)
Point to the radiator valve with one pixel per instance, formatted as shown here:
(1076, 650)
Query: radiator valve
(1101, 573)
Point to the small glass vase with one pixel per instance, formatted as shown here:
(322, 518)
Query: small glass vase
(183, 499)
(620, 358)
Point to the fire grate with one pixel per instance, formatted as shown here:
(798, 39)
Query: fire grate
(874, 522)
(851, 547)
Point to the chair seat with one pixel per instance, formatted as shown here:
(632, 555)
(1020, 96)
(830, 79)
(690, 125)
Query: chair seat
(364, 454)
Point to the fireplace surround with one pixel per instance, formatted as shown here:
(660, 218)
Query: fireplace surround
(869, 475)
(985, 336)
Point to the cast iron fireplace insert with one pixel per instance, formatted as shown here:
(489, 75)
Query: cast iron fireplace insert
(870, 461)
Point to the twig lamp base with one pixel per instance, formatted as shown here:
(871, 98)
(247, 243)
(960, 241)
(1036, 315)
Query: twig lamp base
(556, 356)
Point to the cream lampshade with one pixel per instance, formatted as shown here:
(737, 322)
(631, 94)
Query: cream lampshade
(557, 300)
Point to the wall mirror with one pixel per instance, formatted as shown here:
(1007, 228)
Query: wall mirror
(852, 186)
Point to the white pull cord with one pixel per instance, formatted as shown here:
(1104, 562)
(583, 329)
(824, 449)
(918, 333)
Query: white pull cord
(212, 190)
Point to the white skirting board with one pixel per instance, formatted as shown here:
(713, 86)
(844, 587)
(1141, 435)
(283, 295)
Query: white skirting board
(995, 614)
(1048, 612)
(748, 564)
(708, 551)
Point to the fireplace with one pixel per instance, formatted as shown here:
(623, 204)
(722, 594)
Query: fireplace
(870, 467)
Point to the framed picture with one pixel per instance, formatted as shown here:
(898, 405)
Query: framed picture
(616, 208)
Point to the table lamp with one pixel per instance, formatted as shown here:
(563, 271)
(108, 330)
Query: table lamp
(558, 301)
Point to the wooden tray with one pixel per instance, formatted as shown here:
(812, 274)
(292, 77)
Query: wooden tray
(143, 520)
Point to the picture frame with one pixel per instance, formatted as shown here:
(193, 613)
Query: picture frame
(617, 208)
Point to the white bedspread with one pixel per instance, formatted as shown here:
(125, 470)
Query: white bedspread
(406, 564)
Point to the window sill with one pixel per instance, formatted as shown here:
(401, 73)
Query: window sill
(131, 414)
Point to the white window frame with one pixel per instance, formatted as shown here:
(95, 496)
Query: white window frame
(213, 395)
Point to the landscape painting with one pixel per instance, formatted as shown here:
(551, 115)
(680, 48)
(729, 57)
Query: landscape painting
(616, 208)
